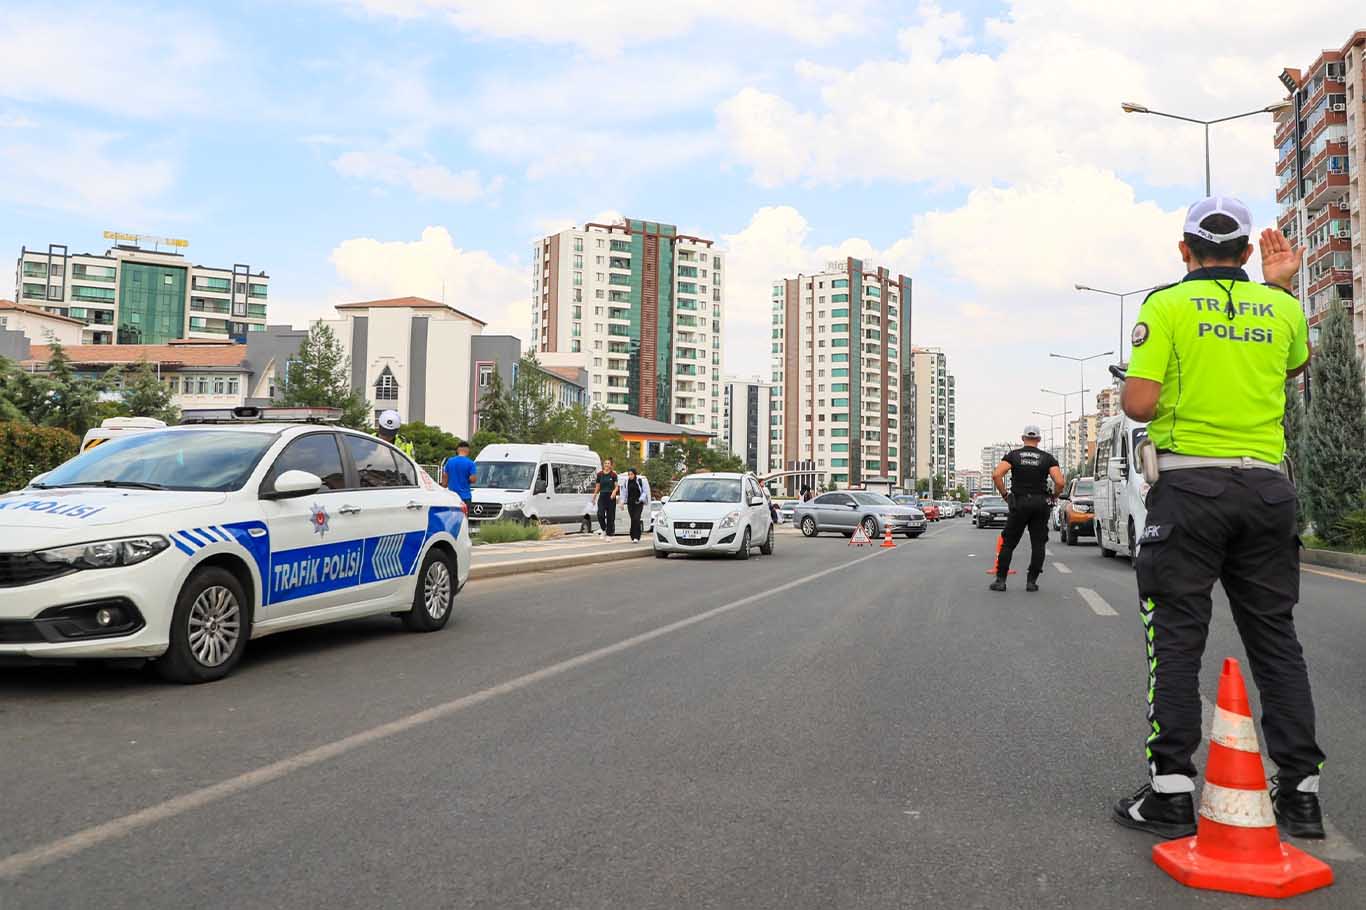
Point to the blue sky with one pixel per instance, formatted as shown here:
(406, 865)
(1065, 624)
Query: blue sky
(383, 147)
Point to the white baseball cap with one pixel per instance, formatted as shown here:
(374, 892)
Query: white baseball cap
(1031, 431)
(389, 420)
(1219, 205)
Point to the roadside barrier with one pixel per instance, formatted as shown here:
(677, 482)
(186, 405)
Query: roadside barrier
(1236, 846)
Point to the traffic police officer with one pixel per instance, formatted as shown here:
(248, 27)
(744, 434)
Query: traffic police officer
(387, 429)
(1211, 355)
(1030, 468)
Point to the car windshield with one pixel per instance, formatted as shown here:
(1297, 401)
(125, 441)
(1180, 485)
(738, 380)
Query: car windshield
(195, 460)
(991, 501)
(871, 499)
(706, 489)
(503, 475)
(1084, 488)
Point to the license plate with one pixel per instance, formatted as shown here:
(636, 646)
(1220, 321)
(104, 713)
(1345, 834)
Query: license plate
(691, 533)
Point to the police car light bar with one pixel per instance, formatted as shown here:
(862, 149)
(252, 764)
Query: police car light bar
(253, 414)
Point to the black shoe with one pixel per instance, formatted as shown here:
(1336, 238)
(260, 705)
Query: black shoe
(1297, 813)
(1168, 815)
(1031, 586)
(998, 585)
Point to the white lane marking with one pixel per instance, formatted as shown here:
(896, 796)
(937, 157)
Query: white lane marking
(17, 864)
(1096, 602)
(1062, 569)
(1335, 846)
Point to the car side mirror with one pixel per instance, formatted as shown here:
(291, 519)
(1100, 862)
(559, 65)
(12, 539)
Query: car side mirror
(291, 484)
(1115, 468)
(663, 499)
(756, 500)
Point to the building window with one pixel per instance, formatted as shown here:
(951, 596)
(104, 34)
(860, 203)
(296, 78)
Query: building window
(232, 385)
(578, 244)
(485, 376)
(386, 386)
(202, 385)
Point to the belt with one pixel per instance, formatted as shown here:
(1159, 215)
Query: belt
(1169, 462)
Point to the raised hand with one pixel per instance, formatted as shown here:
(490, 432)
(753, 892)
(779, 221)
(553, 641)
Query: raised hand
(1280, 261)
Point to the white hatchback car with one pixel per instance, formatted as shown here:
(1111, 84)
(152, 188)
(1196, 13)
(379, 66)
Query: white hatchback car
(715, 513)
(180, 545)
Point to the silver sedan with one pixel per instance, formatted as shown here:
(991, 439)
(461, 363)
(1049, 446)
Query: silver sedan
(844, 512)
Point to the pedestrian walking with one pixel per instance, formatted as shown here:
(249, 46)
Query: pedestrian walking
(605, 491)
(807, 495)
(458, 473)
(1211, 355)
(637, 500)
(1030, 469)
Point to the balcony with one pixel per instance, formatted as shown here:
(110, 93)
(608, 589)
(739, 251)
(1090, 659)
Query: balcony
(1323, 216)
(1332, 188)
(1283, 131)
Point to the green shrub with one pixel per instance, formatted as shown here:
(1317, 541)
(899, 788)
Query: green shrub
(27, 451)
(504, 531)
(1352, 529)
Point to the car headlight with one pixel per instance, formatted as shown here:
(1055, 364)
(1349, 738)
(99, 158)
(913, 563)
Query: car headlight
(729, 521)
(106, 554)
(662, 519)
(1083, 507)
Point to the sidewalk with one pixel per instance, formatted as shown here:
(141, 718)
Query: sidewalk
(496, 560)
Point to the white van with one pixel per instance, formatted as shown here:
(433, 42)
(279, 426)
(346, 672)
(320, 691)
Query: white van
(1121, 491)
(115, 427)
(549, 484)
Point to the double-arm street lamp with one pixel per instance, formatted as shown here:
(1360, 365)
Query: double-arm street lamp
(1052, 434)
(1084, 287)
(1130, 108)
(1064, 396)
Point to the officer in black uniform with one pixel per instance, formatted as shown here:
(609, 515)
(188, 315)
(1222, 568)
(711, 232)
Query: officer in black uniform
(1030, 468)
(1211, 354)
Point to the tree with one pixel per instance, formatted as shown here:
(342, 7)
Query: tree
(659, 471)
(1335, 459)
(495, 411)
(1294, 443)
(146, 395)
(60, 398)
(10, 376)
(431, 445)
(590, 426)
(484, 438)
(319, 378)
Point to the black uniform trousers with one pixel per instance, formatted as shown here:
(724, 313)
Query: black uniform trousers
(607, 514)
(634, 509)
(1027, 510)
(1235, 526)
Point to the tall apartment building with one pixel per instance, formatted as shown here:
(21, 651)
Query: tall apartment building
(747, 422)
(641, 308)
(134, 295)
(840, 339)
(973, 480)
(1081, 443)
(993, 454)
(933, 425)
(1107, 402)
(1321, 172)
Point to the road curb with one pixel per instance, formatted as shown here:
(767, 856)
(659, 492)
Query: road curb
(1352, 562)
(550, 563)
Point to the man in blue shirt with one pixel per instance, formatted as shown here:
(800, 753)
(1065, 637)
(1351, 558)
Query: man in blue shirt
(458, 472)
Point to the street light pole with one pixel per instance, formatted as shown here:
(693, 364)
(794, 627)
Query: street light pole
(1084, 287)
(1052, 435)
(1131, 108)
(1064, 397)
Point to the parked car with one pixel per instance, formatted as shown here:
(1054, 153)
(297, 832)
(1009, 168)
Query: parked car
(930, 511)
(547, 484)
(992, 511)
(181, 544)
(715, 513)
(844, 511)
(785, 508)
(1078, 508)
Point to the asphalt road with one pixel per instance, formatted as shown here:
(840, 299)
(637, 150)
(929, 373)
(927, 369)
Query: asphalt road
(828, 727)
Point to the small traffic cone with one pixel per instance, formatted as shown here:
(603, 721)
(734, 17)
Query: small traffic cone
(996, 563)
(887, 543)
(1236, 847)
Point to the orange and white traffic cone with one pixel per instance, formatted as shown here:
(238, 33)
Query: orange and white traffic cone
(887, 543)
(1236, 847)
(996, 563)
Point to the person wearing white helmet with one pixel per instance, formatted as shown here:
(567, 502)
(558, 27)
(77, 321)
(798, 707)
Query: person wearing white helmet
(387, 429)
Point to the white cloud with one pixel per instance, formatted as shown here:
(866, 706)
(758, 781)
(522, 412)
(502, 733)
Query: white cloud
(1043, 94)
(563, 150)
(425, 179)
(104, 58)
(608, 26)
(471, 280)
(84, 175)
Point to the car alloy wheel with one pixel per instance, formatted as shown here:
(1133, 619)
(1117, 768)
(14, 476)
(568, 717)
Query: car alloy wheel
(436, 590)
(870, 527)
(809, 527)
(215, 624)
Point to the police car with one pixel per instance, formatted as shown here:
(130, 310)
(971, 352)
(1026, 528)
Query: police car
(181, 544)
